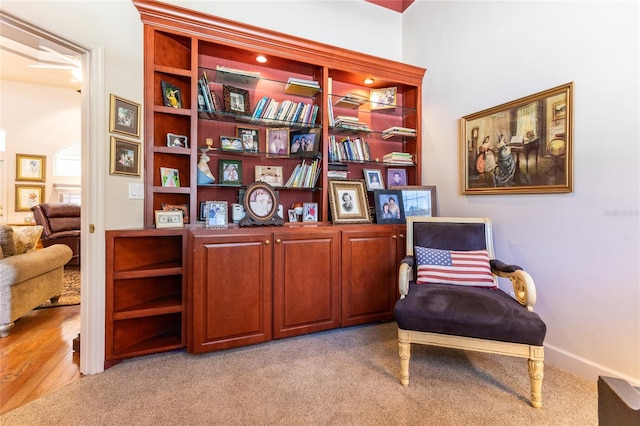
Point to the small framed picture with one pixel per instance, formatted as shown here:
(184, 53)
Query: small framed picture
(270, 174)
(260, 203)
(278, 141)
(217, 214)
(307, 143)
(236, 100)
(250, 137)
(383, 98)
(171, 95)
(169, 219)
(124, 117)
(310, 212)
(373, 178)
(419, 201)
(184, 208)
(125, 157)
(396, 177)
(202, 212)
(28, 196)
(293, 217)
(348, 200)
(230, 172)
(30, 167)
(170, 178)
(177, 141)
(389, 208)
(231, 143)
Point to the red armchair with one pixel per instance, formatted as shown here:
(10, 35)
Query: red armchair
(61, 225)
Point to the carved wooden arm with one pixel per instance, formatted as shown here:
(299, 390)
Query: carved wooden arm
(406, 275)
(523, 286)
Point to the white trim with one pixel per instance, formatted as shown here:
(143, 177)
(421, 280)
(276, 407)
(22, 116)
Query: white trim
(92, 243)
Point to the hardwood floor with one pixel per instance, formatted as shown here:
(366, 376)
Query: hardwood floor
(37, 357)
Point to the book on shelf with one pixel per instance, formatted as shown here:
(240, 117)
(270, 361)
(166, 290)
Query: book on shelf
(398, 131)
(301, 87)
(305, 175)
(398, 158)
(236, 77)
(170, 178)
(348, 149)
(351, 100)
(337, 174)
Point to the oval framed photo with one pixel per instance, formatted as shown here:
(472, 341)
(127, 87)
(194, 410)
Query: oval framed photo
(260, 202)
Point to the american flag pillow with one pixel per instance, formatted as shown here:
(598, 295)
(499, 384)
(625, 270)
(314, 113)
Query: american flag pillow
(466, 268)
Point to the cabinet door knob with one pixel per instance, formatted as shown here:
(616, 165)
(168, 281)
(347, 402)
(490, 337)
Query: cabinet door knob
(267, 242)
(401, 235)
(394, 237)
(278, 241)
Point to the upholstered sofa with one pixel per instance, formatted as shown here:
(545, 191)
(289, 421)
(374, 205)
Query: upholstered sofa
(28, 277)
(60, 225)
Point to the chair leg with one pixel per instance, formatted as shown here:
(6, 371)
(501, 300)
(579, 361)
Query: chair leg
(5, 329)
(536, 373)
(404, 349)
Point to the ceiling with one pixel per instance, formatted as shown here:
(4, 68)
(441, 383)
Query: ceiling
(27, 56)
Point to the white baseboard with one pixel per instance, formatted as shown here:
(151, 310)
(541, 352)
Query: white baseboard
(581, 367)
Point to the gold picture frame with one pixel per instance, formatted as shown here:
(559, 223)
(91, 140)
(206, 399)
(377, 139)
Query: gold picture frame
(348, 200)
(28, 196)
(124, 117)
(385, 98)
(30, 167)
(125, 157)
(521, 147)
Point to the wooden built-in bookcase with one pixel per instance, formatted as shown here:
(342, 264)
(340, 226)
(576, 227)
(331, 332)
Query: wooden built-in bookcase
(180, 47)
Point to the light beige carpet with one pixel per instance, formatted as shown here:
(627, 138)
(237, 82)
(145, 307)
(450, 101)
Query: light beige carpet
(342, 377)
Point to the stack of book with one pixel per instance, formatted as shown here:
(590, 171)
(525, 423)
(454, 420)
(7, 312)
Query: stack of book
(398, 158)
(301, 87)
(207, 99)
(304, 175)
(348, 149)
(398, 131)
(350, 123)
(268, 109)
(235, 77)
(351, 100)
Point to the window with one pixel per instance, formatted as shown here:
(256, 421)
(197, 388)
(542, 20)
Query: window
(67, 161)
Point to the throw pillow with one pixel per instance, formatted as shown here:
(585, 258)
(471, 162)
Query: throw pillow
(464, 268)
(26, 238)
(6, 240)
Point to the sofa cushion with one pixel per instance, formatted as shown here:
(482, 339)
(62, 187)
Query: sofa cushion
(470, 312)
(6, 240)
(26, 238)
(465, 268)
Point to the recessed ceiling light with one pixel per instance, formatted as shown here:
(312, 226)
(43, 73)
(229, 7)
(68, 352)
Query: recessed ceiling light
(368, 81)
(261, 59)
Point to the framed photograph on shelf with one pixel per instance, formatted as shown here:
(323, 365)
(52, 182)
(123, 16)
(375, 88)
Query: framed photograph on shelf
(389, 208)
(202, 212)
(124, 117)
(250, 137)
(310, 212)
(170, 178)
(169, 219)
(348, 200)
(231, 143)
(419, 201)
(521, 147)
(396, 177)
(373, 178)
(125, 157)
(28, 196)
(277, 141)
(293, 217)
(184, 208)
(230, 172)
(30, 167)
(236, 101)
(217, 214)
(261, 205)
(177, 141)
(269, 174)
(171, 95)
(305, 143)
(383, 98)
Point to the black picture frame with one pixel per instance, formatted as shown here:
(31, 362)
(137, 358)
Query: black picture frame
(171, 95)
(236, 101)
(250, 137)
(389, 207)
(300, 145)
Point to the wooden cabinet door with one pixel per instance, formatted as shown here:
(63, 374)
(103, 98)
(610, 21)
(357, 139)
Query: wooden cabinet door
(369, 273)
(230, 299)
(306, 281)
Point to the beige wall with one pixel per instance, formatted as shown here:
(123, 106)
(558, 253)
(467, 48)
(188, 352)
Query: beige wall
(38, 120)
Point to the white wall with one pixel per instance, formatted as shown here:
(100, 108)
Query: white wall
(38, 120)
(582, 248)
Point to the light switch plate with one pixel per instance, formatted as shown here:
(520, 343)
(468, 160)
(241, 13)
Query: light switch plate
(136, 191)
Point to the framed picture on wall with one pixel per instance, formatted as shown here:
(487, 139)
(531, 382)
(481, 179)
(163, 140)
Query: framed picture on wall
(30, 167)
(28, 196)
(125, 157)
(124, 117)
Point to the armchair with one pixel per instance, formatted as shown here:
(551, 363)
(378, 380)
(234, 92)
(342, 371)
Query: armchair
(61, 225)
(450, 297)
